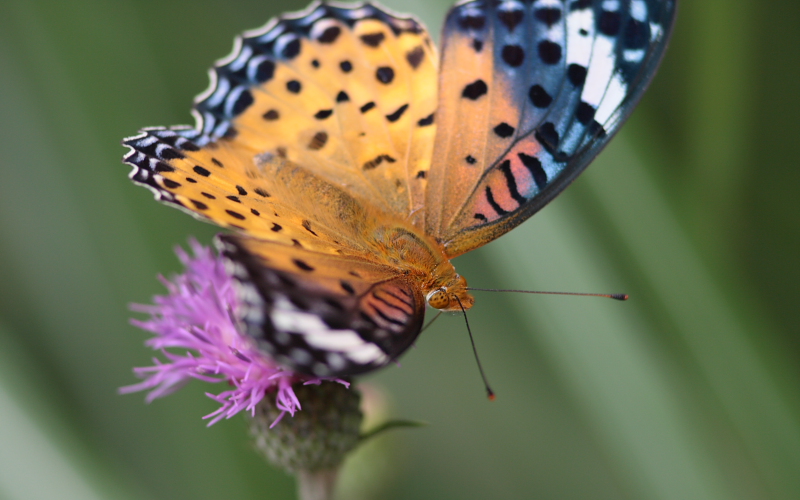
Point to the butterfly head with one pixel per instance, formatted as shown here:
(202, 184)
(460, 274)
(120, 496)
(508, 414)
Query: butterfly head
(453, 297)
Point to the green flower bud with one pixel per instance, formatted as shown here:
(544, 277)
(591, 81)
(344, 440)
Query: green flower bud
(314, 439)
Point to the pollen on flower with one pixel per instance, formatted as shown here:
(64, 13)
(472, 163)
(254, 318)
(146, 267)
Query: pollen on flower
(195, 330)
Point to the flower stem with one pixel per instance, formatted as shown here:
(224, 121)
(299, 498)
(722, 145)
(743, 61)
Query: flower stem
(316, 485)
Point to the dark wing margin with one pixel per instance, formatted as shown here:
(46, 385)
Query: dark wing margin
(319, 323)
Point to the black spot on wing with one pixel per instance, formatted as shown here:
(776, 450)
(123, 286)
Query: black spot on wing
(385, 75)
(585, 113)
(415, 56)
(637, 34)
(513, 55)
(393, 117)
(472, 21)
(201, 171)
(548, 15)
(576, 74)
(329, 35)
(548, 136)
(539, 96)
(265, 71)
(294, 86)
(511, 18)
(163, 167)
(549, 52)
(609, 23)
(373, 163)
(318, 141)
(373, 39)
(302, 265)
(504, 130)
(475, 90)
(291, 49)
(424, 122)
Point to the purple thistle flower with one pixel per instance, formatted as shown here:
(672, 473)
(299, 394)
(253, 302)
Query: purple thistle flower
(196, 332)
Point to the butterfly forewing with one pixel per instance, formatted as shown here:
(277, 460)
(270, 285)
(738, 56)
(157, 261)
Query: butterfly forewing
(264, 196)
(529, 93)
(323, 315)
(339, 90)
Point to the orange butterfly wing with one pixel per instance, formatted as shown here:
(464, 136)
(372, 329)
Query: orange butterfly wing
(347, 94)
(266, 197)
(529, 93)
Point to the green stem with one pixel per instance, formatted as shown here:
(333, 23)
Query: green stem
(316, 485)
(392, 424)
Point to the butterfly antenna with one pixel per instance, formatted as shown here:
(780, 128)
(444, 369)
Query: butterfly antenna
(431, 322)
(615, 296)
(489, 391)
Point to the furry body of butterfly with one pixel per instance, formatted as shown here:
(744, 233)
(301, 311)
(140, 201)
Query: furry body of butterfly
(352, 163)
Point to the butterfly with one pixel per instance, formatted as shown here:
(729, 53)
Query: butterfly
(352, 162)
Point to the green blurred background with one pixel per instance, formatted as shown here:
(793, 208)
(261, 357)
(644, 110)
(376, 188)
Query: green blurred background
(687, 391)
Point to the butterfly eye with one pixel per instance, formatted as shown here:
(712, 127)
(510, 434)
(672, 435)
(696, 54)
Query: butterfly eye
(439, 299)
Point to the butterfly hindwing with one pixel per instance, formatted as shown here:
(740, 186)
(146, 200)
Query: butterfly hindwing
(319, 314)
(529, 93)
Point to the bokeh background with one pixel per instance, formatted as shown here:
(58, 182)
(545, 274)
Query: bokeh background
(688, 390)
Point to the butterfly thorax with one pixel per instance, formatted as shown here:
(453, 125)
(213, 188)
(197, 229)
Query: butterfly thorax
(425, 264)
